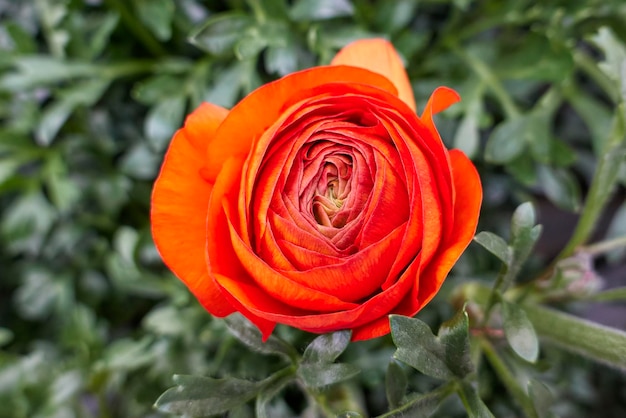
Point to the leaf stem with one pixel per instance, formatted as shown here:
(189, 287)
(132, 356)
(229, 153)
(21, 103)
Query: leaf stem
(491, 80)
(507, 378)
(594, 341)
(604, 246)
(602, 184)
(590, 67)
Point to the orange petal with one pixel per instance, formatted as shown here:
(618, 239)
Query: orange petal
(179, 207)
(441, 99)
(264, 106)
(467, 202)
(379, 56)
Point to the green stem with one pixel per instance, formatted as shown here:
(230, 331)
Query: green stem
(491, 80)
(508, 379)
(611, 295)
(594, 341)
(605, 246)
(602, 184)
(137, 28)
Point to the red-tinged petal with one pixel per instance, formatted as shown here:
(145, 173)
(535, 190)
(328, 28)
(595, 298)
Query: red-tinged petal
(261, 108)
(179, 202)
(379, 56)
(467, 202)
(221, 257)
(441, 99)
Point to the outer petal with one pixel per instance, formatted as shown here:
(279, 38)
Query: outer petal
(440, 100)
(179, 207)
(379, 56)
(467, 202)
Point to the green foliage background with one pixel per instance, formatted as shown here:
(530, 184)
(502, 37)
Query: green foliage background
(91, 322)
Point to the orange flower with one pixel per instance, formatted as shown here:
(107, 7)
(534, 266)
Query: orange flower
(320, 201)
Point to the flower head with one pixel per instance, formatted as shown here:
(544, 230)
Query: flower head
(321, 200)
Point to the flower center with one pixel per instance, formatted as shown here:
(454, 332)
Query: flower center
(333, 188)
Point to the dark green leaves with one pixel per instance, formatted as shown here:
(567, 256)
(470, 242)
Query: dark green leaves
(250, 335)
(203, 396)
(519, 331)
(326, 348)
(445, 356)
(320, 9)
(317, 368)
(219, 35)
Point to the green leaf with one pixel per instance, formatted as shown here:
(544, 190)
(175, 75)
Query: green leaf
(454, 335)
(396, 384)
(327, 347)
(54, 116)
(392, 16)
(561, 187)
(539, 135)
(250, 335)
(154, 89)
(319, 375)
(542, 398)
(276, 383)
(6, 336)
(419, 405)
(475, 407)
(523, 219)
(418, 347)
(536, 57)
(163, 120)
(519, 331)
(495, 245)
(197, 396)
(219, 34)
(614, 52)
(37, 70)
(443, 357)
(308, 10)
(507, 141)
(467, 136)
(157, 15)
(281, 60)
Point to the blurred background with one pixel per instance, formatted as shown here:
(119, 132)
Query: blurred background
(91, 322)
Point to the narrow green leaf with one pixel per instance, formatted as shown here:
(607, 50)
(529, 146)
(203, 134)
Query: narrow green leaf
(519, 331)
(318, 375)
(197, 396)
(308, 10)
(157, 15)
(542, 398)
(396, 383)
(418, 347)
(327, 347)
(250, 335)
(163, 120)
(561, 187)
(219, 34)
(454, 335)
(419, 405)
(467, 136)
(596, 342)
(539, 135)
(523, 218)
(507, 141)
(6, 336)
(475, 407)
(495, 245)
(55, 115)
